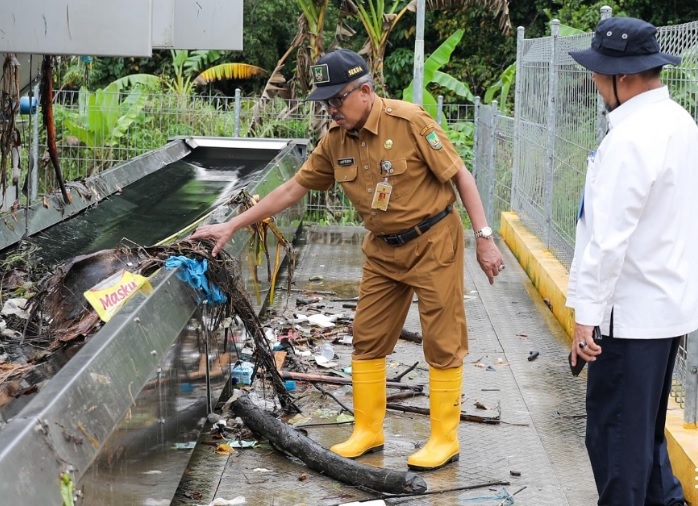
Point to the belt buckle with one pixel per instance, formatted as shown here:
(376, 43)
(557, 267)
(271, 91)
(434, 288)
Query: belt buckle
(393, 239)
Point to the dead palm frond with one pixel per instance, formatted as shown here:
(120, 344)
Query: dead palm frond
(226, 71)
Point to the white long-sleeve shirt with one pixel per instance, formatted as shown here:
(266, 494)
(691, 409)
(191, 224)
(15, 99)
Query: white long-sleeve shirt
(636, 248)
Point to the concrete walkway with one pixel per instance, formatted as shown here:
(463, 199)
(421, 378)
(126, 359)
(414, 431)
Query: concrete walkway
(537, 449)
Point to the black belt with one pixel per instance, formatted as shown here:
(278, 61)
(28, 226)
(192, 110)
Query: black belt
(416, 231)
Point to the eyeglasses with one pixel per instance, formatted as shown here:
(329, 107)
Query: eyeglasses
(337, 101)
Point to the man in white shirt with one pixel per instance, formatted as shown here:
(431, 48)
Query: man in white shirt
(634, 272)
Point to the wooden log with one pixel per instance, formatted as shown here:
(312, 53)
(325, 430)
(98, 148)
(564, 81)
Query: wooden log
(286, 438)
(425, 411)
(320, 378)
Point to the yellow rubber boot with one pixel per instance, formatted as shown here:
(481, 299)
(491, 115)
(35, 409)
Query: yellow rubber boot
(444, 414)
(368, 381)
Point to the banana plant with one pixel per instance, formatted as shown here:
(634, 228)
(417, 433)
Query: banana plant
(432, 74)
(189, 71)
(103, 118)
(314, 17)
(500, 89)
(185, 65)
(380, 17)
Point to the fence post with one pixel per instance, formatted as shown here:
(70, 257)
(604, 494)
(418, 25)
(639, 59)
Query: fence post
(476, 138)
(690, 407)
(34, 158)
(518, 91)
(418, 71)
(491, 164)
(236, 131)
(606, 13)
(439, 108)
(548, 177)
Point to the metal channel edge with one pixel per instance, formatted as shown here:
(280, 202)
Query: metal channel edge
(67, 423)
(87, 193)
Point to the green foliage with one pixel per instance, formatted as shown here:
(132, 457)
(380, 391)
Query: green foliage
(683, 81)
(399, 69)
(432, 74)
(462, 135)
(185, 66)
(67, 487)
(106, 70)
(146, 81)
(500, 90)
(566, 30)
(103, 118)
(483, 52)
(71, 72)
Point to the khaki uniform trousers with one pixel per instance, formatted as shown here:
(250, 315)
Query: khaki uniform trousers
(431, 266)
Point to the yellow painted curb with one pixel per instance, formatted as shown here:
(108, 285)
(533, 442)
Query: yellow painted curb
(550, 278)
(682, 443)
(547, 274)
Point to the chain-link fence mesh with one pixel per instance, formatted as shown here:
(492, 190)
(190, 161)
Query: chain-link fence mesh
(96, 130)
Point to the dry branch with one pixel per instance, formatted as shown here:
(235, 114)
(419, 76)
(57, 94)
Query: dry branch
(318, 378)
(404, 373)
(493, 420)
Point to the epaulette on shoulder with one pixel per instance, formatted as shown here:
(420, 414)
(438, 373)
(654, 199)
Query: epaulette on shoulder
(401, 109)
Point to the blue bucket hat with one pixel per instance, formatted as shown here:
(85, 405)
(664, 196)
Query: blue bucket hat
(623, 46)
(334, 70)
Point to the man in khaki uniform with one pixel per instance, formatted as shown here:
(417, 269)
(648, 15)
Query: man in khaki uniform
(399, 170)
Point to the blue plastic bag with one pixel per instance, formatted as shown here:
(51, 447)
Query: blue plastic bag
(194, 272)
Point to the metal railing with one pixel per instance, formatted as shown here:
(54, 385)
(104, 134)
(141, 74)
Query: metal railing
(534, 163)
(97, 130)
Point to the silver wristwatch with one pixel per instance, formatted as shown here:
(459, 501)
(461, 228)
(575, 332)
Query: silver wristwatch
(484, 233)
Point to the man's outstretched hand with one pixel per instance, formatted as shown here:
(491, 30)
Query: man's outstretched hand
(220, 233)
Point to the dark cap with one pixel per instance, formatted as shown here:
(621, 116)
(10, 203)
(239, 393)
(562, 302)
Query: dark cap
(623, 46)
(334, 70)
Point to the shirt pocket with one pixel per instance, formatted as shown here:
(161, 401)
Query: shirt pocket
(347, 176)
(398, 178)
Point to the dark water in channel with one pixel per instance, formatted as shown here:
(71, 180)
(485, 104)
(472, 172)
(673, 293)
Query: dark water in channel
(148, 210)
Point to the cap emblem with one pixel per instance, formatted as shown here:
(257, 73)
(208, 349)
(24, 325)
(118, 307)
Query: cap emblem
(321, 73)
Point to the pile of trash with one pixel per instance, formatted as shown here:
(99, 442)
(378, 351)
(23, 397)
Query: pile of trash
(45, 314)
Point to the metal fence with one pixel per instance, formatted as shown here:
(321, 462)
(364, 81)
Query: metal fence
(534, 163)
(96, 130)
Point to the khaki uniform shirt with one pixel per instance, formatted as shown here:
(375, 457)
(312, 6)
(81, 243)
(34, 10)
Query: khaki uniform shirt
(400, 144)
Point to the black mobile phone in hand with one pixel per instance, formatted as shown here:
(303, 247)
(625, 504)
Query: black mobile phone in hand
(576, 369)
